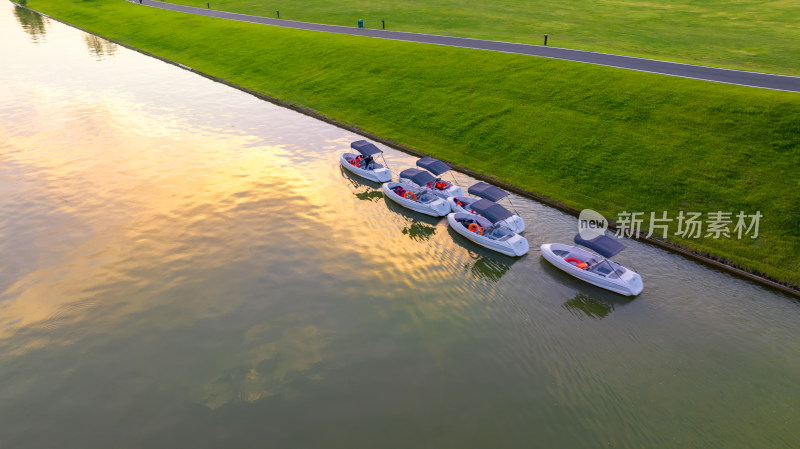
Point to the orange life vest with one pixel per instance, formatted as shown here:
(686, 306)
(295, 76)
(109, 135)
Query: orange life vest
(473, 227)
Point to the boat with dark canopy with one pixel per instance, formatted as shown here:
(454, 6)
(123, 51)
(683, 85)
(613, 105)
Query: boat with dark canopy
(593, 268)
(434, 166)
(437, 185)
(363, 163)
(490, 193)
(487, 191)
(416, 198)
(492, 211)
(493, 235)
(416, 176)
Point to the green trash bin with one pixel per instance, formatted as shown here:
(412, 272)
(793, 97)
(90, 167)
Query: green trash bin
(361, 23)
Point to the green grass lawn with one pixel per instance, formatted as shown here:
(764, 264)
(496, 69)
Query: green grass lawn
(588, 136)
(742, 34)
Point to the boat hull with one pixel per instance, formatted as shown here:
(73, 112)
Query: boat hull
(436, 208)
(514, 246)
(627, 284)
(381, 174)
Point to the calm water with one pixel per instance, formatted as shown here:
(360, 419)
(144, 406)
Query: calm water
(183, 265)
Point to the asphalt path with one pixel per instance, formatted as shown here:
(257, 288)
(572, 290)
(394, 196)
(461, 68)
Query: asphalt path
(739, 77)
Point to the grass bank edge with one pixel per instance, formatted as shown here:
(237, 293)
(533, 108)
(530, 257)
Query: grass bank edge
(412, 141)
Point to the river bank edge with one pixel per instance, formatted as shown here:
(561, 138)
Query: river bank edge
(703, 257)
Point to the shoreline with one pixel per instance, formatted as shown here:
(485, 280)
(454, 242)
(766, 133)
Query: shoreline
(707, 259)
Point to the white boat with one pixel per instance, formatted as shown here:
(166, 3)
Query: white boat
(363, 164)
(416, 198)
(489, 194)
(593, 268)
(487, 234)
(436, 185)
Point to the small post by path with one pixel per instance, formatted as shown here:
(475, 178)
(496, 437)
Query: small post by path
(545, 40)
(383, 23)
(278, 13)
(208, 5)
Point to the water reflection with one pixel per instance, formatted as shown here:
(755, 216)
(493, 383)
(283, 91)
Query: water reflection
(486, 264)
(583, 304)
(418, 227)
(363, 189)
(277, 359)
(487, 267)
(370, 195)
(99, 47)
(419, 231)
(34, 24)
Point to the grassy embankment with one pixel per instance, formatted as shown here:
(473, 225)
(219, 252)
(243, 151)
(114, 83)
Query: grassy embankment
(587, 136)
(740, 34)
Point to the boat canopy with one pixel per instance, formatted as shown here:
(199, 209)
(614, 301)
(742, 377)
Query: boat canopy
(491, 210)
(487, 191)
(365, 148)
(606, 246)
(417, 176)
(434, 166)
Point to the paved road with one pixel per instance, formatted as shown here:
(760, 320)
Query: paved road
(753, 79)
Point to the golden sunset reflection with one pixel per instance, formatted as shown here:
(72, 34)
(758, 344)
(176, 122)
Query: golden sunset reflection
(140, 190)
